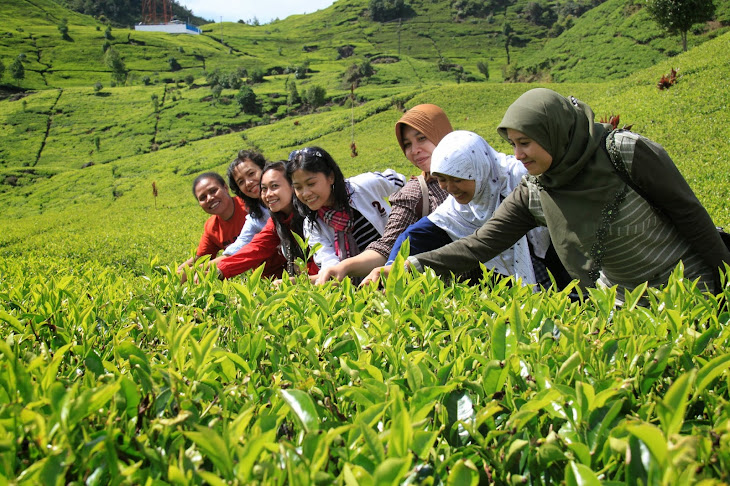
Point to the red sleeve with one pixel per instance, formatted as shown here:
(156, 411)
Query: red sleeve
(264, 248)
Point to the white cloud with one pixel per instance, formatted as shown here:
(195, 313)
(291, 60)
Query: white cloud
(263, 10)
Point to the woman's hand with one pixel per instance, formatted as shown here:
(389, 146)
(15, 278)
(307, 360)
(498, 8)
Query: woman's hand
(337, 272)
(375, 274)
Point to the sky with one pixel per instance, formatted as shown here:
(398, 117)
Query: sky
(263, 10)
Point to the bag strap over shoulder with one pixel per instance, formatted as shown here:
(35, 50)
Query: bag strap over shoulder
(423, 205)
(619, 165)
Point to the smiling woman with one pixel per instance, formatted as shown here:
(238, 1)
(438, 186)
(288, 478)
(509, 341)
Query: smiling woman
(227, 216)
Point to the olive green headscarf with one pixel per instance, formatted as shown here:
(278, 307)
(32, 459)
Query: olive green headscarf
(580, 181)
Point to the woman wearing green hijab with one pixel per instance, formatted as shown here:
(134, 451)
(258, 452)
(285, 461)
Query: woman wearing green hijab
(604, 232)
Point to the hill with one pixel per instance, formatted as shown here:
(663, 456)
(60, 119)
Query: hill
(60, 209)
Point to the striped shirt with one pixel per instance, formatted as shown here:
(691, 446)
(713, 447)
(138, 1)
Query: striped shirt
(363, 231)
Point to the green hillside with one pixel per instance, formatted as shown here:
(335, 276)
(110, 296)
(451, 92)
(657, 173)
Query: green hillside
(45, 184)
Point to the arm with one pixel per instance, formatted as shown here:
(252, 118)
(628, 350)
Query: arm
(655, 173)
(320, 233)
(356, 266)
(510, 222)
(264, 248)
(251, 228)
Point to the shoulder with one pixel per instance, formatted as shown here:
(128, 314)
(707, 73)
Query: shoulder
(411, 191)
(373, 180)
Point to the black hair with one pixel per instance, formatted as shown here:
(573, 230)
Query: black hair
(315, 159)
(253, 206)
(208, 175)
(289, 246)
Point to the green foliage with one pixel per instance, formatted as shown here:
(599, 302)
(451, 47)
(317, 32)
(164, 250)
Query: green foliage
(292, 97)
(227, 380)
(63, 29)
(174, 64)
(115, 62)
(483, 67)
(2, 69)
(108, 33)
(17, 71)
(385, 10)
(98, 87)
(256, 76)
(247, 100)
(315, 96)
(358, 72)
(678, 16)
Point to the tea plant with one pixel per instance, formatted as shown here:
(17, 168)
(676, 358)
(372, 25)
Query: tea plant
(105, 375)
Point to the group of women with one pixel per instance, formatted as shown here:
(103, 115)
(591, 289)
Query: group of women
(576, 198)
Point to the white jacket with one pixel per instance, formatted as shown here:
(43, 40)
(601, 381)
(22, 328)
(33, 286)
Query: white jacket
(370, 193)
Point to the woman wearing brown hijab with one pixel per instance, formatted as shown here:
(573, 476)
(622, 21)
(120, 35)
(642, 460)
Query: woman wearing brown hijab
(418, 132)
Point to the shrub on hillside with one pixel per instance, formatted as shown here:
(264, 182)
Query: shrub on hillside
(246, 99)
(174, 65)
(116, 64)
(385, 10)
(17, 71)
(2, 69)
(315, 96)
(63, 29)
(256, 76)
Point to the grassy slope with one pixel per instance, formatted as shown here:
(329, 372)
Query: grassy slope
(106, 212)
(65, 211)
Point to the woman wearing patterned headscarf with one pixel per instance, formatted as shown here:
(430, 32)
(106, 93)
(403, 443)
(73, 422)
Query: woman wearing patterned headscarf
(604, 231)
(418, 132)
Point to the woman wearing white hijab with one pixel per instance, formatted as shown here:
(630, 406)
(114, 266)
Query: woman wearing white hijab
(477, 178)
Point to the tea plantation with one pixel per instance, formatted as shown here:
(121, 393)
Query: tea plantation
(112, 372)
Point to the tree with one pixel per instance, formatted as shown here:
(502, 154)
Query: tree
(63, 29)
(17, 71)
(678, 16)
(483, 68)
(315, 96)
(293, 97)
(116, 64)
(384, 10)
(246, 99)
(507, 33)
(2, 69)
(174, 65)
(98, 87)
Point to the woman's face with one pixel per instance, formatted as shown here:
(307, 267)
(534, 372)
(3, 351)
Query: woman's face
(276, 192)
(214, 198)
(247, 176)
(313, 188)
(418, 148)
(462, 189)
(535, 158)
